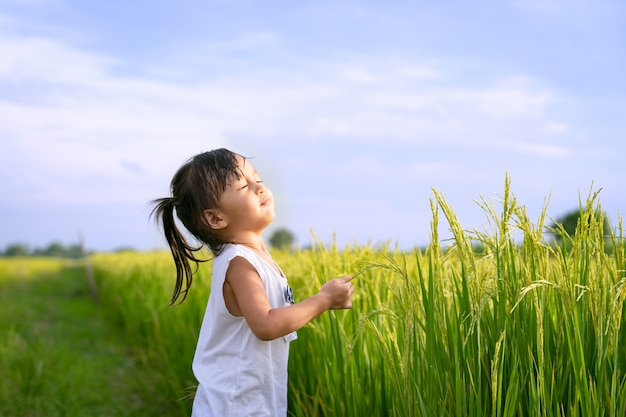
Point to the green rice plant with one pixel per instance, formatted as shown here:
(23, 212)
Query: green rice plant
(136, 288)
(516, 330)
(523, 327)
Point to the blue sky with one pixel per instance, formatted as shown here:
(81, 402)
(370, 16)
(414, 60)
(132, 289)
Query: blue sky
(354, 111)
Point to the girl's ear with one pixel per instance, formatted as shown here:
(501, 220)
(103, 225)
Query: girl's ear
(214, 219)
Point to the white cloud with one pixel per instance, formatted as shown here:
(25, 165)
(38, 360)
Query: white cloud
(544, 150)
(442, 170)
(419, 72)
(512, 102)
(48, 60)
(75, 105)
(359, 75)
(555, 128)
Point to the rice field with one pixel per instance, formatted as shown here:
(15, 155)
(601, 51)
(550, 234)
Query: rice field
(521, 327)
(497, 322)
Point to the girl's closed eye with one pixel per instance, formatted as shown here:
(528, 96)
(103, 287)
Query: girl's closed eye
(240, 184)
(246, 184)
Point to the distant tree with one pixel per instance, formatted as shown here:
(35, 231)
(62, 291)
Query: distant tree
(282, 239)
(124, 249)
(58, 250)
(568, 223)
(17, 249)
(54, 249)
(478, 248)
(74, 251)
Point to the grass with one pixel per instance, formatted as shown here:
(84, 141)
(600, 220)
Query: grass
(59, 353)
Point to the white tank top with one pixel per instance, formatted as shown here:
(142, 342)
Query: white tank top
(239, 374)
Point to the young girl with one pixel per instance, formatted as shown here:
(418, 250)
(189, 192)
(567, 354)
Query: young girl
(241, 357)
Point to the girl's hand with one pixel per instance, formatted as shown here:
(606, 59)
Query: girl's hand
(338, 291)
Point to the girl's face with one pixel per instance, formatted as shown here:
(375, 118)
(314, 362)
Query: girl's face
(246, 204)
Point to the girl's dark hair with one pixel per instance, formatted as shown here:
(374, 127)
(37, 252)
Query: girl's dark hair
(196, 186)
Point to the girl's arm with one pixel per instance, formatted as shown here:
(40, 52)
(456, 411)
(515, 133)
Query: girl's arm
(269, 323)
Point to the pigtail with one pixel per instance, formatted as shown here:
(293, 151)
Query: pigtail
(196, 186)
(181, 250)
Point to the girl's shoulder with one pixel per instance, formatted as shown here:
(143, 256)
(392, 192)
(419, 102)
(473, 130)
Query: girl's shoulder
(222, 262)
(232, 250)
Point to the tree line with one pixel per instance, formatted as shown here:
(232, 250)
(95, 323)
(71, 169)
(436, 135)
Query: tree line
(282, 238)
(53, 249)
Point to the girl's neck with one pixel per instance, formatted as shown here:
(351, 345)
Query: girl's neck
(254, 242)
(260, 249)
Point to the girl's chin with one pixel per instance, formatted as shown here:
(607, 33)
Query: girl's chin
(270, 218)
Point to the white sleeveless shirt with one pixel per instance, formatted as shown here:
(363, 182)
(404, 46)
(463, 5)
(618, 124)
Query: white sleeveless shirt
(239, 374)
